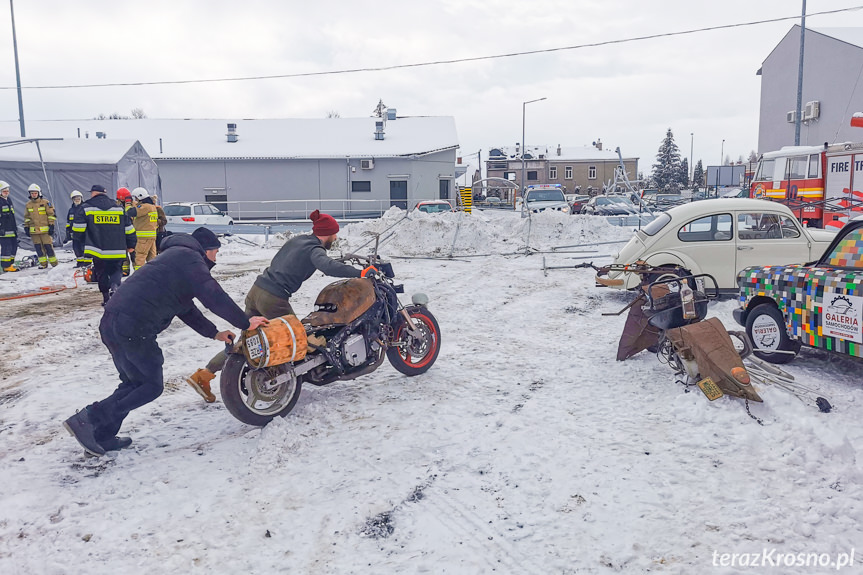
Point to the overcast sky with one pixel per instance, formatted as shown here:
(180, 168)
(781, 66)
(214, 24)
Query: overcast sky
(627, 94)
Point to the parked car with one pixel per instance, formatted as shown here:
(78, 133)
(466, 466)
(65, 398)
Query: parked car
(609, 206)
(577, 202)
(493, 202)
(434, 206)
(199, 213)
(719, 238)
(735, 193)
(540, 198)
(665, 201)
(818, 305)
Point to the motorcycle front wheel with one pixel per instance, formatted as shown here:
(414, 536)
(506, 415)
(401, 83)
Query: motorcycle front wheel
(413, 355)
(256, 396)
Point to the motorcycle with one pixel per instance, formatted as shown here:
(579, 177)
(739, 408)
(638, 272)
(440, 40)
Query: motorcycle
(356, 323)
(668, 319)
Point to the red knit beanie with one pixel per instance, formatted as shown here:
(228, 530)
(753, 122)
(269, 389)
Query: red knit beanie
(324, 224)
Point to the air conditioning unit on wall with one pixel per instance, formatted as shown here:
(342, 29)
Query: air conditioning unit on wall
(791, 117)
(367, 164)
(812, 110)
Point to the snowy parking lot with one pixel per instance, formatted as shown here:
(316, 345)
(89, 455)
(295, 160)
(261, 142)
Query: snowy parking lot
(525, 449)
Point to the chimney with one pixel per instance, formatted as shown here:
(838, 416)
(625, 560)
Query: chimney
(598, 144)
(558, 149)
(232, 133)
(379, 128)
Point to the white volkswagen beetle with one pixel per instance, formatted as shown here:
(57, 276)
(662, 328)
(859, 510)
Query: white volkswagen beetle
(720, 238)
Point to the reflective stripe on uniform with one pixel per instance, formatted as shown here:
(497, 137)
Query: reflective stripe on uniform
(130, 229)
(79, 227)
(104, 254)
(145, 234)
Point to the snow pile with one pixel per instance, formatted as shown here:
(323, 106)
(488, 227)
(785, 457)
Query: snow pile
(525, 449)
(481, 232)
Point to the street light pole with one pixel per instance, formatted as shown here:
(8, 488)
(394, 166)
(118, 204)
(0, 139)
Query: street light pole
(523, 146)
(691, 167)
(722, 153)
(17, 71)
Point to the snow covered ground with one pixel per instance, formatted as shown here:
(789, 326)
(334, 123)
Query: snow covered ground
(526, 448)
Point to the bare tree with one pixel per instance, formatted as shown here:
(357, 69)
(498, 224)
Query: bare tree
(138, 113)
(333, 114)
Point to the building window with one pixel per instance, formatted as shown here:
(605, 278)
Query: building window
(567, 172)
(509, 176)
(531, 176)
(444, 189)
(361, 186)
(497, 165)
(591, 173)
(552, 173)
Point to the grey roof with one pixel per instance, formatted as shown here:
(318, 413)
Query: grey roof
(567, 153)
(279, 138)
(73, 151)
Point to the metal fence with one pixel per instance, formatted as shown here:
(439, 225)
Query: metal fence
(281, 210)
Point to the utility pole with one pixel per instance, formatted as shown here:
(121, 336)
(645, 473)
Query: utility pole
(691, 167)
(797, 116)
(17, 71)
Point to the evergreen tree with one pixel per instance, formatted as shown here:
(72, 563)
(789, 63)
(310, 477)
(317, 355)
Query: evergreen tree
(698, 176)
(683, 178)
(666, 170)
(753, 157)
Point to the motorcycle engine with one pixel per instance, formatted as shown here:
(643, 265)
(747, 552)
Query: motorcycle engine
(354, 350)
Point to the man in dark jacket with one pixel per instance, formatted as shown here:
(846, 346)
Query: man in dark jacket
(107, 234)
(296, 261)
(141, 309)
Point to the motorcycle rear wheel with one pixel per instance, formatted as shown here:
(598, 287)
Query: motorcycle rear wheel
(250, 395)
(415, 355)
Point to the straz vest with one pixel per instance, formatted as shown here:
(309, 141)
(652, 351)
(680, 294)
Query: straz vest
(39, 216)
(146, 221)
(7, 218)
(106, 232)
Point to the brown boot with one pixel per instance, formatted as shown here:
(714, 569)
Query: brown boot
(200, 382)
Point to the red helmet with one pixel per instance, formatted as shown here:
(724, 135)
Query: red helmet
(123, 194)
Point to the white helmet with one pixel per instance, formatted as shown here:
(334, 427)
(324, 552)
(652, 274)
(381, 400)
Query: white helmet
(3, 185)
(35, 188)
(140, 193)
(76, 194)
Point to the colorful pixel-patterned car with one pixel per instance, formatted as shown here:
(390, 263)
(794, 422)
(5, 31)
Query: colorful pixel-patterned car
(818, 304)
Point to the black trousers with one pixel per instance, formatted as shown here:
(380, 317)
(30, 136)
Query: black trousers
(108, 273)
(8, 249)
(138, 360)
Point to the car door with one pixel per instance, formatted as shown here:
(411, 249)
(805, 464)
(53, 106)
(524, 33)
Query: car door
(765, 238)
(201, 214)
(708, 241)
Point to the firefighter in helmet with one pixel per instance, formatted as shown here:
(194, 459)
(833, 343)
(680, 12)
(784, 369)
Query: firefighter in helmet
(124, 200)
(39, 224)
(77, 247)
(145, 218)
(8, 231)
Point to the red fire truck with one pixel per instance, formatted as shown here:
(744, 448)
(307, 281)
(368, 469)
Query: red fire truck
(821, 184)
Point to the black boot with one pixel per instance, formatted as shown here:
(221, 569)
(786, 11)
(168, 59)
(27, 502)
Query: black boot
(82, 429)
(115, 443)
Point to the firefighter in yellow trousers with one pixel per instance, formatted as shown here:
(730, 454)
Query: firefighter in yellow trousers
(39, 224)
(145, 219)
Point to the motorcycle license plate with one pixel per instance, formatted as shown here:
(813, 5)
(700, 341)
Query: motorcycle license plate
(253, 344)
(710, 389)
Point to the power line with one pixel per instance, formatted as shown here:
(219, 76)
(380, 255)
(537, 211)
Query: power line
(437, 62)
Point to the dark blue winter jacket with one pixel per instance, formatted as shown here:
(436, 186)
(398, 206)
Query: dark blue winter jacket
(165, 288)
